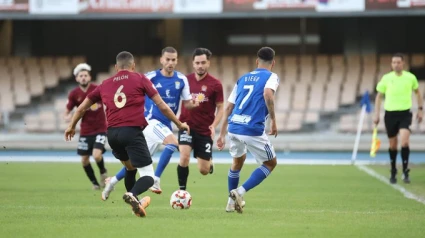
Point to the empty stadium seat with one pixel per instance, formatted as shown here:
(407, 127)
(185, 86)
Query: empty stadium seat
(332, 97)
(294, 121)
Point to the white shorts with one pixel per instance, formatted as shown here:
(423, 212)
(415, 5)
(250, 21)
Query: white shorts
(259, 146)
(155, 134)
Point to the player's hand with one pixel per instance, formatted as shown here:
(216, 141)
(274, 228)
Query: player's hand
(221, 142)
(195, 103)
(184, 127)
(376, 119)
(419, 116)
(212, 129)
(69, 133)
(273, 128)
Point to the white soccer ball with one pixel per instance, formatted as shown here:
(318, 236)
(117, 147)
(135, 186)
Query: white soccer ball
(181, 199)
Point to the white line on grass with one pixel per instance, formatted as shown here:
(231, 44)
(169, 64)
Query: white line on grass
(218, 160)
(397, 187)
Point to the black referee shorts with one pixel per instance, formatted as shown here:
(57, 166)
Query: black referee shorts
(129, 143)
(396, 120)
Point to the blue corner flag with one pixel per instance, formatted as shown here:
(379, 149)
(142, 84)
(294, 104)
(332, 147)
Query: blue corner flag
(366, 101)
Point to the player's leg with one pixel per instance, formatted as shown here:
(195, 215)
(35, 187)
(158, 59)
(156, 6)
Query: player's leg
(185, 147)
(111, 182)
(237, 150)
(405, 141)
(119, 151)
(264, 153)
(202, 150)
(97, 153)
(140, 158)
(156, 134)
(84, 152)
(392, 128)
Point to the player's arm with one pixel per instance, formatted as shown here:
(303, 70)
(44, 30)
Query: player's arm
(223, 130)
(219, 109)
(221, 142)
(226, 114)
(190, 104)
(218, 115)
(79, 113)
(186, 97)
(269, 99)
(419, 98)
(68, 109)
(381, 87)
(166, 111)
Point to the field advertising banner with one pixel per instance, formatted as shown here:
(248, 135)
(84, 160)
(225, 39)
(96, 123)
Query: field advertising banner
(14, 5)
(340, 5)
(56, 6)
(198, 6)
(393, 4)
(129, 6)
(268, 5)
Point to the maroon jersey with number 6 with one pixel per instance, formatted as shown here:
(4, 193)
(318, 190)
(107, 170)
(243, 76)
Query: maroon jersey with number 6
(124, 97)
(209, 92)
(93, 121)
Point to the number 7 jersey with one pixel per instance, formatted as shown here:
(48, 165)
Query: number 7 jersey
(124, 97)
(250, 112)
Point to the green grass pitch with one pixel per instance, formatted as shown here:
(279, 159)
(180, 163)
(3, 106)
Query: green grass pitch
(56, 200)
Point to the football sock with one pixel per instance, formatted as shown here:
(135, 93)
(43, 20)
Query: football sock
(130, 179)
(101, 166)
(405, 151)
(233, 179)
(142, 185)
(120, 175)
(256, 178)
(393, 158)
(165, 159)
(90, 174)
(182, 174)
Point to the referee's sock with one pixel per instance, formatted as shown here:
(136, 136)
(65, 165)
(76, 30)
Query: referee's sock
(393, 159)
(405, 152)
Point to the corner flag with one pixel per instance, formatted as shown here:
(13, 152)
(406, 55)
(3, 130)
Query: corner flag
(366, 108)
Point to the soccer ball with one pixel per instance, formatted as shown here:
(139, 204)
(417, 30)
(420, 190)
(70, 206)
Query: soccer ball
(181, 199)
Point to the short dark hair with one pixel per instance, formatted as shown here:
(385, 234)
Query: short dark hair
(399, 55)
(168, 49)
(266, 54)
(124, 59)
(201, 51)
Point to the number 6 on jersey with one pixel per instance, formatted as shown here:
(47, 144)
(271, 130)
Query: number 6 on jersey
(117, 96)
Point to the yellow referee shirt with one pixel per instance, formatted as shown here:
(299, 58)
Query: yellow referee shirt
(398, 90)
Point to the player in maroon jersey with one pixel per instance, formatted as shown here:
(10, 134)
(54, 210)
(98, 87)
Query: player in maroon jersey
(93, 126)
(203, 120)
(124, 97)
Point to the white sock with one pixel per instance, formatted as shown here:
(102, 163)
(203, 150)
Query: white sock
(241, 190)
(156, 179)
(230, 201)
(113, 181)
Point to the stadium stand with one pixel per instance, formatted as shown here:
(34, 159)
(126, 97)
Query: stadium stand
(312, 86)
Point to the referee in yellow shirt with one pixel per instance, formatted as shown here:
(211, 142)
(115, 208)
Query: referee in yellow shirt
(397, 86)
